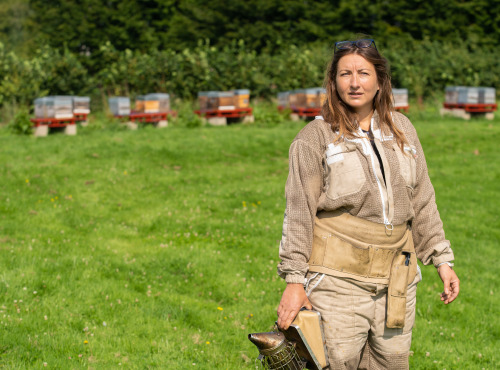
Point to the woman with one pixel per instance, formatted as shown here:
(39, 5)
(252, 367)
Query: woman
(360, 210)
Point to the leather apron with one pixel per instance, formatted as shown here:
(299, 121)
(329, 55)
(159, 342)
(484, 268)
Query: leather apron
(346, 246)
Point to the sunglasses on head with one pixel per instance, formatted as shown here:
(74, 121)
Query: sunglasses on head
(363, 43)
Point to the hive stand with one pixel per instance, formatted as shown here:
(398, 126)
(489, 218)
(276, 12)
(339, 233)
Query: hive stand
(42, 125)
(219, 117)
(81, 118)
(159, 120)
(465, 111)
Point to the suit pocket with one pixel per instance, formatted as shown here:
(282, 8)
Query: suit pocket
(407, 164)
(345, 257)
(345, 172)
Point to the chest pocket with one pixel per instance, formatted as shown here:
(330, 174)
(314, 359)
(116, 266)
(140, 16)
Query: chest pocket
(345, 174)
(407, 163)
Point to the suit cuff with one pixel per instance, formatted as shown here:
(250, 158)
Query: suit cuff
(295, 278)
(445, 254)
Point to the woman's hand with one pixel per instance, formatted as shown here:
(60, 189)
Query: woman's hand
(451, 283)
(293, 299)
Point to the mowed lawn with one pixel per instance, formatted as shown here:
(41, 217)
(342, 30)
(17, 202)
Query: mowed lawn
(157, 248)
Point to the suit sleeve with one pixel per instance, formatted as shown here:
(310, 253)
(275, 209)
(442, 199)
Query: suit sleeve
(302, 190)
(431, 245)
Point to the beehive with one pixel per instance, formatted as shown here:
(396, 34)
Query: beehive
(59, 107)
(241, 98)
(307, 98)
(213, 100)
(63, 107)
(119, 105)
(156, 103)
(203, 99)
(283, 99)
(297, 98)
(400, 98)
(451, 94)
(44, 107)
(220, 100)
(314, 97)
(487, 95)
(81, 105)
(139, 104)
(466, 95)
(225, 100)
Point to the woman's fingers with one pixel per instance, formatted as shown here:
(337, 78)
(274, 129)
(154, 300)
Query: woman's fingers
(293, 299)
(286, 319)
(451, 284)
(455, 289)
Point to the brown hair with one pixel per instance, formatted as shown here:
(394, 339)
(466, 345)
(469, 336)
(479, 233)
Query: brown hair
(341, 116)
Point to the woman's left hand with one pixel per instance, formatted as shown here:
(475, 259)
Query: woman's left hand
(451, 283)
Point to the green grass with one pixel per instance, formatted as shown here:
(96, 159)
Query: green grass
(159, 247)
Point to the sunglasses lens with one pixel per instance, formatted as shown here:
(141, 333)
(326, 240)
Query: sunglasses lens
(343, 45)
(365, 43)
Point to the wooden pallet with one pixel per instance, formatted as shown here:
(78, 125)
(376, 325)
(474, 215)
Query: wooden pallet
(223, 113)
(306, 112)
(80, 117)
(42, 125)
(472, 108)
(402, 109)
(147, 117)
(53, 122)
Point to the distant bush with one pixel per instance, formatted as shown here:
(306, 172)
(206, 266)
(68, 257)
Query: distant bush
(21, 123)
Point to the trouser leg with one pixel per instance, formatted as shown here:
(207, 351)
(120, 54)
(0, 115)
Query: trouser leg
(354, 318)
(389, 348)
(345, 309)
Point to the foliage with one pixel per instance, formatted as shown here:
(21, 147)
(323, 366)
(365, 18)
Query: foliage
(264, 25)
(158, 248)
(266, 114)
(14, 26)
(48, 72)
(21, 123)
(424, 67)
(182, 47)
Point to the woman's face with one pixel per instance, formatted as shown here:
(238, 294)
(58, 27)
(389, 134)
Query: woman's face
(356, 82)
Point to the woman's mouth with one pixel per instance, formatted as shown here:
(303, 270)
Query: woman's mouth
(355, 94)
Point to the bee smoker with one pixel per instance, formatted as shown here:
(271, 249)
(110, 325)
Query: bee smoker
(301, 346)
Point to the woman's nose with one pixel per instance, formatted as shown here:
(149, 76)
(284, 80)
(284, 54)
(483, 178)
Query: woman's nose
(354, 82)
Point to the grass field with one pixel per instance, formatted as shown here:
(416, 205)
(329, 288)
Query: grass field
(158, 248)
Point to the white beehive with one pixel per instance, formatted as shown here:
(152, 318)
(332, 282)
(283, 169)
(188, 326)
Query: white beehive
(63, 106)
(58, 107)
(81, 105)
(44, 107)
(400, 98)
(487, 95)
(283, 99)
(468, 95)
(119, 105)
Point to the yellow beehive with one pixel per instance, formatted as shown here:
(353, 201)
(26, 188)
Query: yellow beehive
(241, 98)
(151, 106)
(139, 104)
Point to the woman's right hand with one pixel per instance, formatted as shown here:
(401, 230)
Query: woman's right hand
(293, 299)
